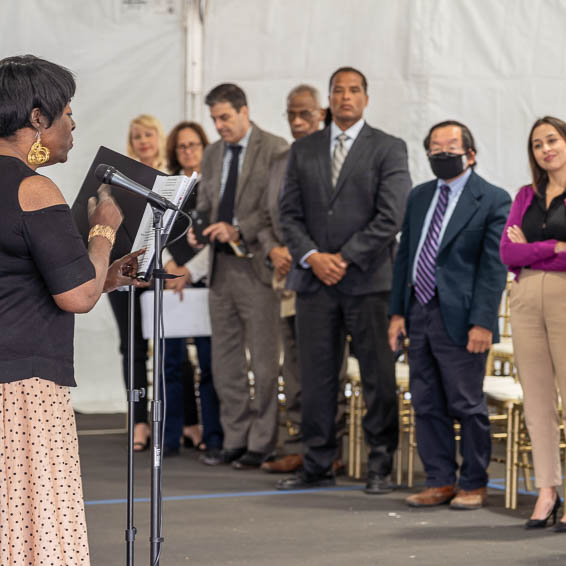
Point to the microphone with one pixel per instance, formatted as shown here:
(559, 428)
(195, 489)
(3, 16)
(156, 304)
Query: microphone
(111, 176)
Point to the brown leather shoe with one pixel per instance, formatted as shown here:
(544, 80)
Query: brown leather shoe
(432, 496)
(474, 499)
(285, 465)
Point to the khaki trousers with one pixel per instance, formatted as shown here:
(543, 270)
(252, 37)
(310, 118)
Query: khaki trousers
(538, 321)
(244, 313)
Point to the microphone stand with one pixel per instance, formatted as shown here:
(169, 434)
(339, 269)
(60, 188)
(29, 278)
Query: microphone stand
(134, 396)
(157, 412)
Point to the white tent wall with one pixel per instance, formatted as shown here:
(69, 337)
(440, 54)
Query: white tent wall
(128, 58)
(494, 64)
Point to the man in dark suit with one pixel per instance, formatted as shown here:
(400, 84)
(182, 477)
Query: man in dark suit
(446, 290)
(243, 308)
(341, 208)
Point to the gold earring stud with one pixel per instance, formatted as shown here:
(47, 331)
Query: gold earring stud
(38, 154)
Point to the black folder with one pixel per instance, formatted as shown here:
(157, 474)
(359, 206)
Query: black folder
(132, 205)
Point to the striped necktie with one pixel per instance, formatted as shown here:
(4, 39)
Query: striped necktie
(338, 157)
(425, 279)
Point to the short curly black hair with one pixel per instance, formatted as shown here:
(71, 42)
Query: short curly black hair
(28, 82)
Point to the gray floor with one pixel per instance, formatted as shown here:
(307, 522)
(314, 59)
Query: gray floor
(219, 516)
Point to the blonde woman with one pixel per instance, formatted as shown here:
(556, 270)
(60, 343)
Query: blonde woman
(146, 143)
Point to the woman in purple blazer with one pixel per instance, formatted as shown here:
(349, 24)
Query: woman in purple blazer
(533, 246)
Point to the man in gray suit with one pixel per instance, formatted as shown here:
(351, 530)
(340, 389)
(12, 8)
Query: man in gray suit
(304, 114)
(243, 307)
(341, 208)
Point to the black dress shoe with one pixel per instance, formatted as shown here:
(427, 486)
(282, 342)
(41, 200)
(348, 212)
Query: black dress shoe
(377, 485)
(216, 457)
(302, 480)
(250, 460)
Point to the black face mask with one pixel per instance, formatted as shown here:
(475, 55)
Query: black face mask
(447, 165)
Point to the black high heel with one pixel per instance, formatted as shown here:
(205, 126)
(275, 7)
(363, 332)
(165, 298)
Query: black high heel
(541, 523)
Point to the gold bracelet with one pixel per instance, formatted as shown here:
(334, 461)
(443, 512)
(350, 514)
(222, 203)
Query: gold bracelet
(104, 231)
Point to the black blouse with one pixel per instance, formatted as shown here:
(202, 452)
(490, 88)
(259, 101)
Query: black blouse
(540, 223)
(41, 254)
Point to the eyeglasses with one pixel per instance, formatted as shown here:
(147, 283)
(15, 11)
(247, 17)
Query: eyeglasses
(186, 146)
(303, 115)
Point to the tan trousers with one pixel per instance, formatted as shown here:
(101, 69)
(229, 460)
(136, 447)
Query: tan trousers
(538, 321)
(244, 313)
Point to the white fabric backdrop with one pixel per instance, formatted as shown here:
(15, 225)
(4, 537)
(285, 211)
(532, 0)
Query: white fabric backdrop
(128, 58)
(494, 64)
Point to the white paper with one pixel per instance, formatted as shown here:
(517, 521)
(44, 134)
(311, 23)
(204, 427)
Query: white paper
(174, 188)
(181, 319)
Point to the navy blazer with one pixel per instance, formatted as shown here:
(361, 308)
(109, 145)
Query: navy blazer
(360, 217)
(469, 274)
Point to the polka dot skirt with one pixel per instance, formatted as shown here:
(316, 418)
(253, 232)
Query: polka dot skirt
(42, 520)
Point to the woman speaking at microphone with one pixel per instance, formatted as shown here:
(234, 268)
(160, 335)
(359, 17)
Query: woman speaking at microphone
(46, 275)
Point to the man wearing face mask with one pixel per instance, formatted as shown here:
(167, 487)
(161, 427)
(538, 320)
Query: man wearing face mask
(447, 285)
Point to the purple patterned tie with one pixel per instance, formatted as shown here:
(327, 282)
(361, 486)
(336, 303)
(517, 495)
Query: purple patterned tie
(425, 279)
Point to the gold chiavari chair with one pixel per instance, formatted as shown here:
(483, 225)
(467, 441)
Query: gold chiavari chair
(500, 357)
(356, 444)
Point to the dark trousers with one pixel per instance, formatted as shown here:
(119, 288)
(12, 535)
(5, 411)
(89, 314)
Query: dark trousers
(119, 304)
(447, 385)
(290, 436)
(290, 440)
(212, 434)
(180, 391)
(323, 320)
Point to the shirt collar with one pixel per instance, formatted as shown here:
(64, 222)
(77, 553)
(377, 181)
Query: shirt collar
(243, 142)
(456, 185)
(352, 132)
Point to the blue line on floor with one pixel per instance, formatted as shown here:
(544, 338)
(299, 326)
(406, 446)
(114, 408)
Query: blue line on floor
(226, 495)
(496, 483)
(501, 487)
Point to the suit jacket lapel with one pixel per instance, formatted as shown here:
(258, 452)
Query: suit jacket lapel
(467, 205)
(357, 152)
(324, 162)
(247, 165)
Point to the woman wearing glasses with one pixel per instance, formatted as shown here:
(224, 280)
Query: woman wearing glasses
(185, 147)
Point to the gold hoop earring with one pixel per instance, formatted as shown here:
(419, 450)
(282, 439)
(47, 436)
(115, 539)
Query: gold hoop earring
(38, 154)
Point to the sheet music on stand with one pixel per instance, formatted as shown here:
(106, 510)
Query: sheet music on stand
(175, 188)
